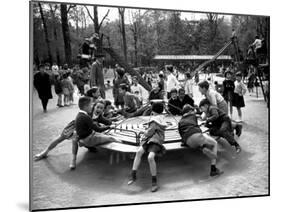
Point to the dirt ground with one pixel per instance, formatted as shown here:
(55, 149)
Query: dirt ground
(182, 175)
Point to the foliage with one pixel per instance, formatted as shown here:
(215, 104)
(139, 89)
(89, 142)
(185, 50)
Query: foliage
(148, 32)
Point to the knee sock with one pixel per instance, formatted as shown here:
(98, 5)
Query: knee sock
(213, 167)
(134, 174)
(154, 180)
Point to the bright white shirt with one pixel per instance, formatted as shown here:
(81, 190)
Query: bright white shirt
(86, 87)
(214, 97)
(188, 87)
(257, 43)
(136, 88)
(181, 76)
(240, 88)
(172, 82)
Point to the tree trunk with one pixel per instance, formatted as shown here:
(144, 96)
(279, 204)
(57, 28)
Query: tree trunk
(55, 35)
(46, 35)
(135, 43)
(66, 34)
(123, 31)
(97, 30)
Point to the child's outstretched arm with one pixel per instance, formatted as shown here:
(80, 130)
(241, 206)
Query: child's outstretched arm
(98, 128)
(213, 115)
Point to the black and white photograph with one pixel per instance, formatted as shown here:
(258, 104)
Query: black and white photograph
(135, 105)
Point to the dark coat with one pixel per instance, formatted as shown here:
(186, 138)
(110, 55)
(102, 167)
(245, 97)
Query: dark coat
(186, 100)
(97, 77)
(43, 85)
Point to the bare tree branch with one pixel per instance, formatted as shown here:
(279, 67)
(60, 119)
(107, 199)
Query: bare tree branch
(104, 18)
(70, 7)
(89, 13)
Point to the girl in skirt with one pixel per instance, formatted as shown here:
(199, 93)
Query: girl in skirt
(228, 89)
(239, 92)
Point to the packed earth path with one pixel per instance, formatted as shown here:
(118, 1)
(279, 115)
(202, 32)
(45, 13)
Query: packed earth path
(182, 175)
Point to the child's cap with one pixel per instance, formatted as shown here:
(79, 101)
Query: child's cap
(204, 102)
(181, 89)
(170, 68)
(227, 72)
(174, 90)
(187, 108)
(204, 84)
(93, 90)
(238, 74)
(107, 103)
(123, 86)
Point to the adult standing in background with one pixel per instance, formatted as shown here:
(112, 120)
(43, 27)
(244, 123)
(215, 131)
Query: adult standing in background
(188, 85)
(96, 74)
(172, 82)
(43, 86)
(121, 78)
(136, 88)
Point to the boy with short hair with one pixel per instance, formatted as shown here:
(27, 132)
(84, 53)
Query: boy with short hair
(131, 108)
(85, 129)
(219, 123)
(218, 101)
(152, 143)
(193, 137)
(213, 96)
(130, 103)
(174, 106)
(184, 98)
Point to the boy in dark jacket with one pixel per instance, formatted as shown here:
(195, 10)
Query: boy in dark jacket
(193, 137)
(89, 132)
(184, 99)
(151, 142)
(219, 123)
(228, 90)
(174, 105)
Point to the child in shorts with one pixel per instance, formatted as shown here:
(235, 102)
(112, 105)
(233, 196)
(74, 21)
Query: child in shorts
(219, 123)
(69, 133)
(99, 125)
(152, 143)
(193, 137)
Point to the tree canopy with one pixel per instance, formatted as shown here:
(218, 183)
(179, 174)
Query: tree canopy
(137, 35)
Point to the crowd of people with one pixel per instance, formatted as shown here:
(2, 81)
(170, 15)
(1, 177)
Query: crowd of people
(97, 115)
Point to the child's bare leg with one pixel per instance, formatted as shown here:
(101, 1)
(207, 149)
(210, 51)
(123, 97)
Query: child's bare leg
(51, 146)
(153, 171)
(210, 147)
(74, 153)
(136, 164)
(212, 154)
(239, 113)
(137, 159)
(152, 164)
(230, 108)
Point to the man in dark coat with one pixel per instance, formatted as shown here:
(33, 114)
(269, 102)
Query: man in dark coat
(96, 74)
(43, 86)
